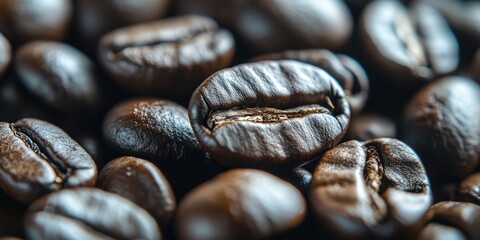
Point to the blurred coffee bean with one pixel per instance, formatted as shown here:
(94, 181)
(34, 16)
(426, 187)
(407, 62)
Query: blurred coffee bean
(5, 54)
(411, 46)
(142, 183)
(169, 57)
(436, 231)
(154, 129)
(271, 114)
(26, 20)
(60, 75)
(298, 177)
(88, 213)
(37, 157)
(376, 189)
(441, 125)
(348, 72)
(369, 126)
(469, 189)
(240, 204)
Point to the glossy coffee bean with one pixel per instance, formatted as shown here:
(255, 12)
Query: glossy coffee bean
(454, 219)
(95, 18)
(37, 157)
(142, 183)
(240, 204)
(88, 213)
(26, 20)
(441, 124)
(376, 189)
(5, 54)
(469, 189)
(412, 45)
(153, 129)
(348, 72)
(60, 75)
(369, 126)
(170, 56)
(272, 114)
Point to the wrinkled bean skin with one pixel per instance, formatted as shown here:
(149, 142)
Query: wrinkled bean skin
(26, 20)
(404, 43)
(441, 124)
(376, 189)
(348, 72)
(37, 157)
(469, 189)
(222, 207)
(272, 114)
(58, 74)
(170, 56)
(142, 183)
(6, 54)
(153, 129)
(88, 213)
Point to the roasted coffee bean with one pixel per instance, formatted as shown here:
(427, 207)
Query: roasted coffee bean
(272, 114)
(240, 204)
(26, 20)
(88, 213)
(92, 20)
(453, 219)
(58, 74)
(441, 124)
(170, 56)
(5, 54)
(298, 177)
(370, 126)
(469, 189)
(142, 183)
(410, 46)
(154, 129)
(37, 157)
(344, 69)
(376, 189)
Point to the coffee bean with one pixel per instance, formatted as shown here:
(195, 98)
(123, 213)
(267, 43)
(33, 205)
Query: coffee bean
(170, 56)
(37, 157)
(376, 189)
(370, 126)
(6, 55)
(344, 69)
(269, 114)
(240, 204)
(150, 128)
(88, 213)
(142, 183)
(435, 231)
(26, 20)
(469, 189)
(441, 124)
(410, 45)
(298, 177)
(58, 74)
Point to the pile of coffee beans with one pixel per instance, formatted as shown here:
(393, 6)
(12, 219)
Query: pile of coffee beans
(239, 119)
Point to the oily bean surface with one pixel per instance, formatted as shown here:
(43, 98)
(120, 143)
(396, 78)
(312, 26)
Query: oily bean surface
(240, 204)
(88, 213)
(268, 114)
(376, 189)
(37, 157)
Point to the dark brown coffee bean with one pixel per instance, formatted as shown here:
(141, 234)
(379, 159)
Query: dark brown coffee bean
(142, 183)
(441, 124)
(435, 231)
(170, 56)
(469, 189)
(26, 20)
(88, 213)
(298, 177)
(376, 189)
(272, 114)
(6, 54)
(411, 46)
(58, 74)
(344, 69)
(240, 204)
(370, 126)
(37, 157)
